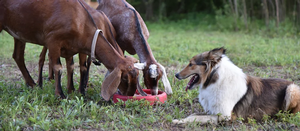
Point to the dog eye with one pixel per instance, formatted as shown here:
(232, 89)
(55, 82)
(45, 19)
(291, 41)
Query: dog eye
(204, 64)
(190, 64)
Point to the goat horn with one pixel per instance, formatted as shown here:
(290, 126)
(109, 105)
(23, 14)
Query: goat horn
(140, 90)
(140, 66)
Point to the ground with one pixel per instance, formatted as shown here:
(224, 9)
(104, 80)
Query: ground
(24, 108)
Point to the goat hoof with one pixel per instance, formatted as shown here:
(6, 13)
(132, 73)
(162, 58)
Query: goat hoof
(98, 63)
(81, 91)
(62, 95)
(30, 85)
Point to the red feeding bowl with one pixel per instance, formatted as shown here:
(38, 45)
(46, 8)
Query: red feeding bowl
(160, 97)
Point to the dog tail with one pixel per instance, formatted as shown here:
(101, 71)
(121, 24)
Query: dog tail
(292, 98)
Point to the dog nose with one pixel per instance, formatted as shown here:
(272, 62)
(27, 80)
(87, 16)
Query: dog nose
(177, 76)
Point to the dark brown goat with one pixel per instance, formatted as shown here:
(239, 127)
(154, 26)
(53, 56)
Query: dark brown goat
(132, 35)
(65, 28)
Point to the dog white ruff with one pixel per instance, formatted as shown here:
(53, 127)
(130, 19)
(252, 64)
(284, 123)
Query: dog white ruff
(222, 96)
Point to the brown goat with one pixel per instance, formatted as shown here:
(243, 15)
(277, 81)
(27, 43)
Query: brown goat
(132, 35)
(65, 28)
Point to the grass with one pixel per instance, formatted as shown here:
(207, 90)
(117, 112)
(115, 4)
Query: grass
(173, 44)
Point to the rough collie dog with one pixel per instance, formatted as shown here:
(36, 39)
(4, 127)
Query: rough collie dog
(226, 93)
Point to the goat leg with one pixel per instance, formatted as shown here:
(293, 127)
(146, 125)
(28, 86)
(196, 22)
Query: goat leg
(54, 57)
(51, 72)
(84, 72)
(18, 56)
(41, 65)
(70, 71)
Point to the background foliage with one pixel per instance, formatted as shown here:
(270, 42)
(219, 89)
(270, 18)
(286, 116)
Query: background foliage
(274, 15)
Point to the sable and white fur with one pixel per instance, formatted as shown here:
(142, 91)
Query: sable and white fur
(224, 89)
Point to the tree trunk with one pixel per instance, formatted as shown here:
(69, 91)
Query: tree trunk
(149, 9)
(266, 12)
(231, 6)
(297, 21)
(251, 12)
(234, 12)
(277, 12)
(283, 10)
(162, 10)
(181, 8)
(245, 14)
(236, 8)
(273, 10)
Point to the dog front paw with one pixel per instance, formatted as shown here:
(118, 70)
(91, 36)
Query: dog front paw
(202, 119)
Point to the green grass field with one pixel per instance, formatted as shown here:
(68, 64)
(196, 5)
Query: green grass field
(173, 44)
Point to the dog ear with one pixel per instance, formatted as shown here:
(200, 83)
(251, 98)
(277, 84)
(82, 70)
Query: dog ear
(111, 83)
(216, 54)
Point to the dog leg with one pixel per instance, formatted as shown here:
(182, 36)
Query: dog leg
(203, 119)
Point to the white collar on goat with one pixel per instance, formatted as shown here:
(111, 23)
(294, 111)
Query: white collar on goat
(94, 44)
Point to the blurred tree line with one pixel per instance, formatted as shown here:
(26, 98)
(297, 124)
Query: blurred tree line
(240, 11)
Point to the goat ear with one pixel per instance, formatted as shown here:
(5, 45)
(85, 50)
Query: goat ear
(111, 83)
(140, 66)
(165, 80)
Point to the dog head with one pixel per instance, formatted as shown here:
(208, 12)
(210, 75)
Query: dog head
(202, 68)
